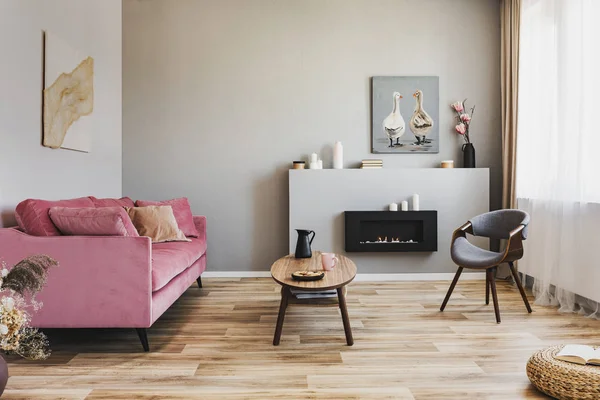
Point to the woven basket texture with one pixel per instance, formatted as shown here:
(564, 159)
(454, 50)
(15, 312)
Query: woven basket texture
(563, 380)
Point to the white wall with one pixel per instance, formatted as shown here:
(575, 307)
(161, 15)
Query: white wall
(220, 96)
(26, 168)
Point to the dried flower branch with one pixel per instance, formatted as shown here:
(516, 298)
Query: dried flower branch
(29, 275)
(33, 344)
(25, 279)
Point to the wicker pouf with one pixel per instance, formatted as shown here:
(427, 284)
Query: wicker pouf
(562, 379)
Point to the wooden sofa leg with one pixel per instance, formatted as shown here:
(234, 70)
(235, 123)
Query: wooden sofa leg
(143, 338)
(199, 281)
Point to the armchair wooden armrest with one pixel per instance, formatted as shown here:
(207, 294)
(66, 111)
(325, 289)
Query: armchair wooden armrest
(514, 247)
(467, 227)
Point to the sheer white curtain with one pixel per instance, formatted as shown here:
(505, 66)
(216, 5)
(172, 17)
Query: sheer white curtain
(558, 152)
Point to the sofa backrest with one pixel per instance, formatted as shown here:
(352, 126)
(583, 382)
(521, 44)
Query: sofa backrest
(32, 214)
(108, 202)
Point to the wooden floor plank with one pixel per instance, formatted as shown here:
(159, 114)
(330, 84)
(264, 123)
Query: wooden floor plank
(216, 343)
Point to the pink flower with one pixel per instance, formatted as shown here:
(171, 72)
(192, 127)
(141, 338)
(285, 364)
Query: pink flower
(458, 106)
(465, 117)
(461, 128)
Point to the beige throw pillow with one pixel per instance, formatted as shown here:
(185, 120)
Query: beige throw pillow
(156, 222)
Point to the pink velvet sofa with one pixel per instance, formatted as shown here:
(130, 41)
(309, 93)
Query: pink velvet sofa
(109, 281)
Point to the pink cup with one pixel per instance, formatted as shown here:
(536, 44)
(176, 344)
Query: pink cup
(329, 261)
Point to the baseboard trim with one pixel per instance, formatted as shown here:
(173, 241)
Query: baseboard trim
(236, 274)
(427, 276)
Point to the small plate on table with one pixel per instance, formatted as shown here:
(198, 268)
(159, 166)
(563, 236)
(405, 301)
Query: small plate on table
(308, 275)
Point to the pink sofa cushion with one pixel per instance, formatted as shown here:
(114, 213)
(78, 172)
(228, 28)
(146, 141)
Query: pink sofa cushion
(32, 214)
(181, 209)
(103, 221)
(163, 298)
(172, 258)
(108, 202)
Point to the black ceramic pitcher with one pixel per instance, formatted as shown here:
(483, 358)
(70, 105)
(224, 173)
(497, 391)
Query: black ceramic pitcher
(303, 245)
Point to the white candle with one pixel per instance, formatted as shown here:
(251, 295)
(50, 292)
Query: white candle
(404, 205)
(415, 201)
(393, 207)
(313, 165)
(338, 156)
(314, 158)
(320, 164)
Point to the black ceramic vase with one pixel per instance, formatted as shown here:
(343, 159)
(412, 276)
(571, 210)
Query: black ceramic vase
(468, 155)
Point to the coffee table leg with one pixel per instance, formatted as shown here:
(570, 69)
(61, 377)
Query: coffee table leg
(345, 319)
(282, 307)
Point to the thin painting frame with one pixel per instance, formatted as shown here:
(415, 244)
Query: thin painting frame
(398, 124)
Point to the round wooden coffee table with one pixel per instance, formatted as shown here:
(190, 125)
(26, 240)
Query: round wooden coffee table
(340, 276)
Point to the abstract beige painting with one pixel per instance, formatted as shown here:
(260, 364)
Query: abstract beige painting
(68, 96)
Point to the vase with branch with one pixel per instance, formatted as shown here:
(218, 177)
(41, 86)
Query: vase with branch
(463, 119)
(18, 288)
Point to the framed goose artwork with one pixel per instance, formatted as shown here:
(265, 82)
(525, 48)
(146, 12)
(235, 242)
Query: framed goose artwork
(405, 114)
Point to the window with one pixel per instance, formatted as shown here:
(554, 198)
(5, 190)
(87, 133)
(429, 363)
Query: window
(558, 153)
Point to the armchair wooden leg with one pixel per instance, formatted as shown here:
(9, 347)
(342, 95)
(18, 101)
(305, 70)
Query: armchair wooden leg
(452, 285)
(143, 338)
(199, 281)
(518, 282)
(487, 289)
(490, 276)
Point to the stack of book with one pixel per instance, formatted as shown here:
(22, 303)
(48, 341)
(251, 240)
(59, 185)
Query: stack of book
(371, 164)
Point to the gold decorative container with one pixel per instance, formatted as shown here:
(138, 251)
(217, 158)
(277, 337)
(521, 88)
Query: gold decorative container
(298, 165)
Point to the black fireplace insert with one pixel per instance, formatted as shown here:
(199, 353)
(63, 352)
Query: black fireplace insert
(391, 231)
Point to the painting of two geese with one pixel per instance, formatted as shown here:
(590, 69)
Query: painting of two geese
(405, 113)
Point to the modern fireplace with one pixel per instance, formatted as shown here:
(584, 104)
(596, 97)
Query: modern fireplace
(391, 231)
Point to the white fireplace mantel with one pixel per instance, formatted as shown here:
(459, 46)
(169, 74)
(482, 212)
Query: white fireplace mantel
(318, 199)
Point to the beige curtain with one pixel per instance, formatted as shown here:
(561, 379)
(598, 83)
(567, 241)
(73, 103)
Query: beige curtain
(510, 19)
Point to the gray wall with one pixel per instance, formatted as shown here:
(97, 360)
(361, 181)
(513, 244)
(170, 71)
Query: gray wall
(318, 199)
(27, 169)
(220, 96)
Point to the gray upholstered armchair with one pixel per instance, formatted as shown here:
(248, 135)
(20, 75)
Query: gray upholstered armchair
(500, 224)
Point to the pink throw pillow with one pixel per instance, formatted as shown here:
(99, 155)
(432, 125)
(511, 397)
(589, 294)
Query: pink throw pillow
(108, 202)
(181, 210)
(32, 214)
(103, 221)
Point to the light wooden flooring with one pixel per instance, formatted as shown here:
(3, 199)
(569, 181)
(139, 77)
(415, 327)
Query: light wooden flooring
(215, 343)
